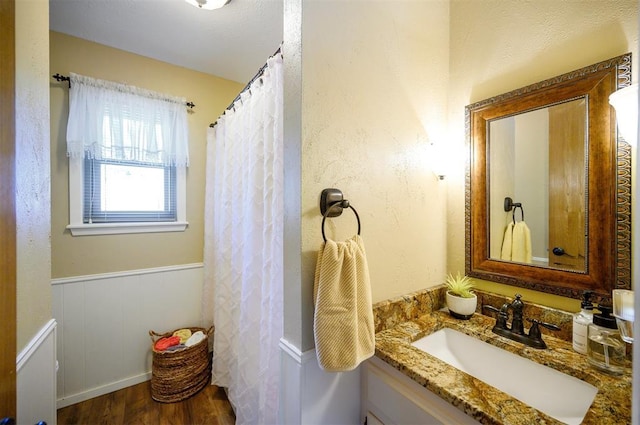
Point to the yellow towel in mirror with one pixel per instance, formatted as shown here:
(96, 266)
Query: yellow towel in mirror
(521, 249)
(507, 242)
(516, 245)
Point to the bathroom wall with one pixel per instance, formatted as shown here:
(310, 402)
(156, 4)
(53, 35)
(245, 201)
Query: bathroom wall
(365, 95)
(532, 179)
(32, 169)
(517, 173)
(35, 361)
(373, 99)
(86, 255)
(498, 46)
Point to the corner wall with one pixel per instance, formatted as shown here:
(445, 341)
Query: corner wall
(365, 94)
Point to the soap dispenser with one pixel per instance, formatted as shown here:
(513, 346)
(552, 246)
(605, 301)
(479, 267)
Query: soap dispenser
(605, 348)
(581, 321)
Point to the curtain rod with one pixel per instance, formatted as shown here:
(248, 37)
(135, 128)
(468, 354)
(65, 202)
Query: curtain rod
(247, 87)
(59, 77)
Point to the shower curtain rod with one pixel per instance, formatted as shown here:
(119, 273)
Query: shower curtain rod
(59, 77)
(255, 77)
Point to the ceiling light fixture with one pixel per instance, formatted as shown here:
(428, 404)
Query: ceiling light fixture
(208, 4)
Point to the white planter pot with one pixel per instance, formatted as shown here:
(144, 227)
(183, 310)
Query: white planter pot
(461, 308)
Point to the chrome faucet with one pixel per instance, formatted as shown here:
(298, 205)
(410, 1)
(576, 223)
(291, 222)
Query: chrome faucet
(516, 331)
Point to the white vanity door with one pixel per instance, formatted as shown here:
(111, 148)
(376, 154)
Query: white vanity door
(389, 397)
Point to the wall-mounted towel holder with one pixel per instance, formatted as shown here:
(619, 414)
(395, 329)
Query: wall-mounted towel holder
(332, 203)
(509, 205)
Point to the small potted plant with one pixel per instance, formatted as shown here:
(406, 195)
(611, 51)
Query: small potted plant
(461, 301)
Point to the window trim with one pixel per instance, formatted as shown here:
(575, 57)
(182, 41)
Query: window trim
(76, 208)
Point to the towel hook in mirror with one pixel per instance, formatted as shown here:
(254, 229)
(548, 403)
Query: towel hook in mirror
(509, 205)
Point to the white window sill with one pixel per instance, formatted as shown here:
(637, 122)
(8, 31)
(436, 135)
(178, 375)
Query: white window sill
(123, 228)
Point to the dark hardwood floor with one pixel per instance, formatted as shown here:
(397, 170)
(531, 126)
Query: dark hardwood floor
(134, 405)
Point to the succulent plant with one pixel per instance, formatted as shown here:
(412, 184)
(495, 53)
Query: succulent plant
(460, 286)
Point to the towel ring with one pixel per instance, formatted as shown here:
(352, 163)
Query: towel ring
(509, 205)
(344, 204)
(521, 213)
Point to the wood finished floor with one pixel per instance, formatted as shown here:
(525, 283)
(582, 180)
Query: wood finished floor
(134, 405)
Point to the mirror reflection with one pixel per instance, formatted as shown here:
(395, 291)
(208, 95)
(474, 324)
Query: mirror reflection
(538, 163)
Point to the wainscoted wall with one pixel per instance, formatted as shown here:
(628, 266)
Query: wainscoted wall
(36, 378)
(105, 319)
(312, 396)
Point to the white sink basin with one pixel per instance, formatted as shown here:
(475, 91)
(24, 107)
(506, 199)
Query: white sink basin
(560, 396)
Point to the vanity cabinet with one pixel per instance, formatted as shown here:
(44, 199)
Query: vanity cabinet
(389, 397)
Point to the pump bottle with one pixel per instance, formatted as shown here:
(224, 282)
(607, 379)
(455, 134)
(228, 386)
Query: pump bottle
(606, 351)
(581, 321)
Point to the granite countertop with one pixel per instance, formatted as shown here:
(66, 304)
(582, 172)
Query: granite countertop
(612, 404)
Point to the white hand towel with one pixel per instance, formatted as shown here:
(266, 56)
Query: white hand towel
(521, 248)
(343, 316)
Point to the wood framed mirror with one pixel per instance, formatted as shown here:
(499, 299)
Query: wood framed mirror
(551, 150)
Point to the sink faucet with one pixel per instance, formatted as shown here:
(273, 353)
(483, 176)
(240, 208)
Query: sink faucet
(517, 325)
(516, 331)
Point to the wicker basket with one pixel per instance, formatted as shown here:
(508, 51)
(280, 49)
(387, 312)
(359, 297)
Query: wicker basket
(177, 375)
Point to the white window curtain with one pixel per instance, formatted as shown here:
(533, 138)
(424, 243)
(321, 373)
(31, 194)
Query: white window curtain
(243, 252)
(114, 121)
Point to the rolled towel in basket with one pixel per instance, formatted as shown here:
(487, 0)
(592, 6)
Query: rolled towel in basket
(164, 343)
(184, 334)
(195, 338)
(176, 347)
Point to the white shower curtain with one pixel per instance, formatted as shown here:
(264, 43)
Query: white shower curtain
(243, 251)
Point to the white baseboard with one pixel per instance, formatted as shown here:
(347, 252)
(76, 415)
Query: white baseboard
(104, 389)
(36, 377)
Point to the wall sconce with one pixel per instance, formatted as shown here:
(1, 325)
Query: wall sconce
(439, 160)
(208, 4)
(625, 102)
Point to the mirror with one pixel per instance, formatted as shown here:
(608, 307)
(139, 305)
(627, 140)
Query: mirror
(550, 150)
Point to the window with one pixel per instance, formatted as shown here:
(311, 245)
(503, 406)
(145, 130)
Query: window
(116, 192)
(128, 154)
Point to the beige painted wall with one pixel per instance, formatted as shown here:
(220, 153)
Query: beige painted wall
(32, 169)
(373, 97)
(85, 255)
(501, 45)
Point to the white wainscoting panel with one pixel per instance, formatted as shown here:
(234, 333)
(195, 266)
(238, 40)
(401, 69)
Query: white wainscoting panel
(36, 378)
(103, 342)
(309, 395)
